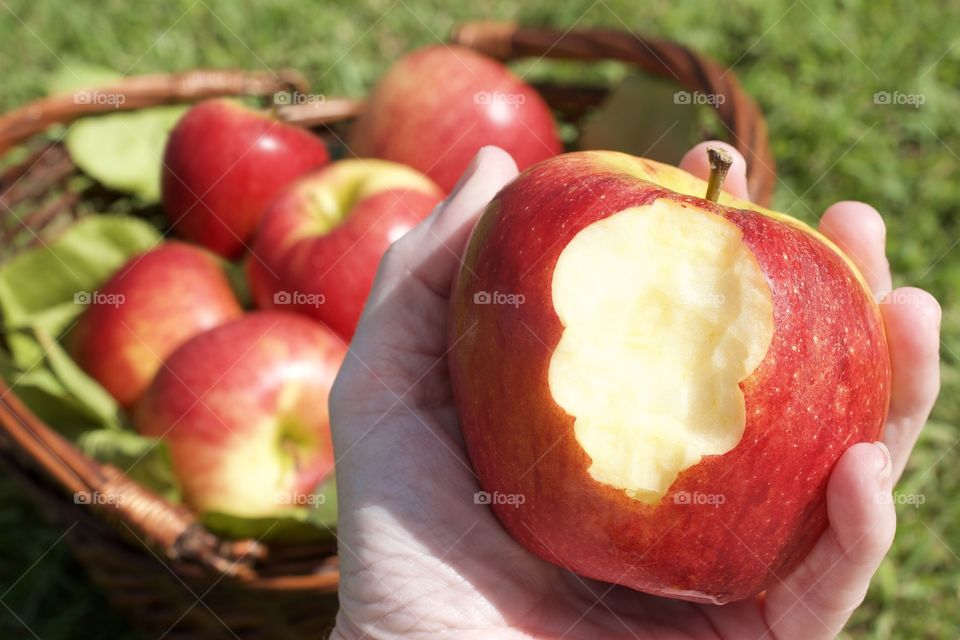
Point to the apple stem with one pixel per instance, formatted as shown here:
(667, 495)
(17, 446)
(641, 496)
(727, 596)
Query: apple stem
(720, 162)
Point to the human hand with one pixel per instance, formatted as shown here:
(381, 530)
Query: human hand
(420, 559)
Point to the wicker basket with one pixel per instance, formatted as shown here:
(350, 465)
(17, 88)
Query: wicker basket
(157, 563)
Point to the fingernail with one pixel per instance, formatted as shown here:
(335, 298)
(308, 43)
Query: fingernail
(886, 466)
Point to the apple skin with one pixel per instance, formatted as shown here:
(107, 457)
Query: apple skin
(305, 253)
(223, 164)
(437, 106)
(243, 408)
(164, 297)
(521, 441)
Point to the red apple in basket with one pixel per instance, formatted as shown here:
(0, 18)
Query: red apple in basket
(153, 304)
(437, 106)
(667, 381)
(223, 164)
(243, 408)
(320, 242)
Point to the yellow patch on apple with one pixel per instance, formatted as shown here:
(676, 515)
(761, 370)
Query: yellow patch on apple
(649, 363)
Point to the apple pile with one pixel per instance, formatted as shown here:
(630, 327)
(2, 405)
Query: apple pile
(240, 394)
(669, 387)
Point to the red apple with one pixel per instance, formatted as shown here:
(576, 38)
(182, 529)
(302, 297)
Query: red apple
(320, 242)
(243, 408)
(156, 302)
(654, 388)
(437, 106)
(223, 164)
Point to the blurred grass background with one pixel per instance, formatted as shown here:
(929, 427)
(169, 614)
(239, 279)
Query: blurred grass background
(813, 66)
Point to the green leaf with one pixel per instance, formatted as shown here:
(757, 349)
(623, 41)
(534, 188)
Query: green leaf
(38, 293)
(97, 403)
(35, 282)
(44, 394)
(124, 151)
(236, 273)
(145, 460)
(314, 523)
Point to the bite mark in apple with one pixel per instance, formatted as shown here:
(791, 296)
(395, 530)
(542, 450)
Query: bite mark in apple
(649, 364)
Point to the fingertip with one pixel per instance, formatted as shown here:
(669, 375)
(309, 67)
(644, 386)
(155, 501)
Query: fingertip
(918, 304)
(696, 162)
(858, 229)
(489, 164)
(858, 499)
(911, 318)
(487, 173)
(867, 218)
(498, 161)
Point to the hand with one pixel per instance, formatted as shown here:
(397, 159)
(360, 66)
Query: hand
(419, 559)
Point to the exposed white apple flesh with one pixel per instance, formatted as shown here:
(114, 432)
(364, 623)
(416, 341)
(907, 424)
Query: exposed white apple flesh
(649, 363)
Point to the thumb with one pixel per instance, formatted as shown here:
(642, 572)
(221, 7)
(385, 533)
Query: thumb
(402, 331)
(431, 252)
(414, 279)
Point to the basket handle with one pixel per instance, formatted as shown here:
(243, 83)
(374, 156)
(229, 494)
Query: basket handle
(147, 517)
(738, 112)
(138, 92)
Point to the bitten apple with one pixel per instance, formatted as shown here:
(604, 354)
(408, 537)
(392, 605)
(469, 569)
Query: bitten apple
(436, 107)
(668, 381)
(223, 164)
(320, 242)
(157, 301)
(244, 410)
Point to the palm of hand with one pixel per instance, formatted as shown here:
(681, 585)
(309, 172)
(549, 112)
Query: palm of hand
(419, 558)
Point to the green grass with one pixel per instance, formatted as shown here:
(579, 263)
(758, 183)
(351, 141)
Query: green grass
(813, 66)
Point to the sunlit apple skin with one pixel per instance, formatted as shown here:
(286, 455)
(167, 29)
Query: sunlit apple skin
(306, 262)
(224, 402)
(806, 403)
(223, 164)
(437, 106)
(154, 303)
